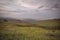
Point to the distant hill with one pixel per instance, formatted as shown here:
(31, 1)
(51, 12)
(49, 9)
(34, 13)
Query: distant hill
(49, 24)
(17, 20)
(29, 20)
(10, 19)
(53, 23)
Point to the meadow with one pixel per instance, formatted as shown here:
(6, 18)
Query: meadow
(39, 30)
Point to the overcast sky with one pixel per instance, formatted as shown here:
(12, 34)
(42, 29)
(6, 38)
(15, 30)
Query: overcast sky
(35, 9)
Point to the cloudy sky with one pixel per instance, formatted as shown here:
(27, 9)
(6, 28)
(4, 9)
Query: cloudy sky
(35, 9)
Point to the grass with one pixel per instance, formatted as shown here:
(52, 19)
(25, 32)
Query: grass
(27, 31)
(49, 24)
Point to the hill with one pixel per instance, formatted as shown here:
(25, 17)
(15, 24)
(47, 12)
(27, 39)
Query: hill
(30, 31)
(52, 23)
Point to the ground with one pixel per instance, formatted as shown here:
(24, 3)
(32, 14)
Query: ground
(40, 30)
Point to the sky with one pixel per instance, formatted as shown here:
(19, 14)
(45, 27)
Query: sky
(33, 9)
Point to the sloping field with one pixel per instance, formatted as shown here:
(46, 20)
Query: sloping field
(49, 24)
(21, 31)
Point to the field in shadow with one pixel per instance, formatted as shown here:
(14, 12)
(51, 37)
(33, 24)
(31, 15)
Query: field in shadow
(39, 30)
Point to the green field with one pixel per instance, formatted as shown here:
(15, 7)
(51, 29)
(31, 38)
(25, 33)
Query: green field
(39, 30)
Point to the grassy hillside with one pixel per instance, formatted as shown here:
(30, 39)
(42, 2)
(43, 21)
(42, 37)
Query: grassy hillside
(29, 31)
(49, 24)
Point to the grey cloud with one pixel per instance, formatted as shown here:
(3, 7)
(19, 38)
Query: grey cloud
(47, 9)
(41, 3)
(56, 6)
(41, 15)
